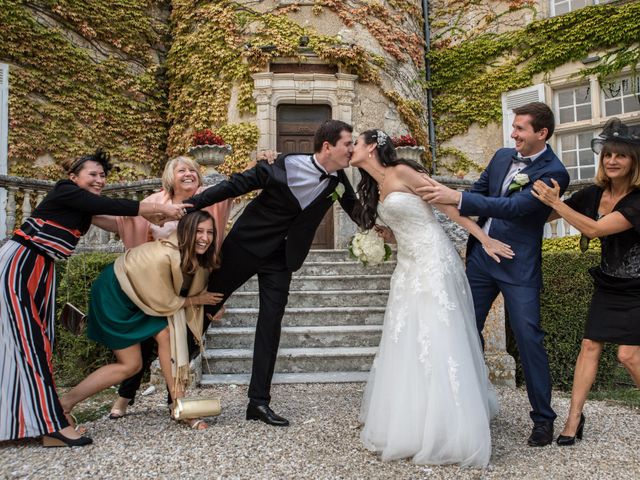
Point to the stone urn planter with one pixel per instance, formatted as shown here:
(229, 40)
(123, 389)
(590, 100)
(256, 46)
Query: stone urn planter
(410, 153)
(210, 156)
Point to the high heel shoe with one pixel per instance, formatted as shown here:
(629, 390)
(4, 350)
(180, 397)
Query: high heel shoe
(56, 439)
(565, 440)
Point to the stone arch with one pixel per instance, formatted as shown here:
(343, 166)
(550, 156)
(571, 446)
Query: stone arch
(272, 89)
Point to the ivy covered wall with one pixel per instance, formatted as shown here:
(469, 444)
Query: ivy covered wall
(472, 68)
(137, 77)
(83, 75)
(218, 45)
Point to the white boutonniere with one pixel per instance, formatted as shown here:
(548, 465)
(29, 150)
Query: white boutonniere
(337, 193)
(519, 181)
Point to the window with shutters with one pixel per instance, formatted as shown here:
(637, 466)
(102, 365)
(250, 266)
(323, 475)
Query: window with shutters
(515, 99)
(581, 111)
(581, 108)
(560, 7)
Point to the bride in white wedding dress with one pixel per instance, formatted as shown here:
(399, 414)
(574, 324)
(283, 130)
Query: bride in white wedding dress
(428, 396)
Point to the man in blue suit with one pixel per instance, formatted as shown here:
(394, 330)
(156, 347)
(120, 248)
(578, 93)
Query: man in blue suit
(507, 211)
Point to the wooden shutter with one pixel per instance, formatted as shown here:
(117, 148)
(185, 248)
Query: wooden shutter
(515, 99)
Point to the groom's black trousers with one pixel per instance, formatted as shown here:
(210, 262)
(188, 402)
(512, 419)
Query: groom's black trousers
(237, 266)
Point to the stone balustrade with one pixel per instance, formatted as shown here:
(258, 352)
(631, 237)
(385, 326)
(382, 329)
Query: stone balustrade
(23, 194)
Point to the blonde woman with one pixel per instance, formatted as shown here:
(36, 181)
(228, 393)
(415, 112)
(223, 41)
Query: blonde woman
(181, 179)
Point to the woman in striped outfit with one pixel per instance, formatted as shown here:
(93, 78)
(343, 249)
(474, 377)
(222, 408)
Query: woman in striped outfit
(29, 404)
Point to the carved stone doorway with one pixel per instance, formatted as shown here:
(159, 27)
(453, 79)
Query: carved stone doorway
(296, 125)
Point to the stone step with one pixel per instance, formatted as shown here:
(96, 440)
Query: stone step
(328, 255)
(299, 316)
(341, 255)
(311, 377)
(344, 268)
(334, 282)
(298, 337)
(292, 360)
(317, 298)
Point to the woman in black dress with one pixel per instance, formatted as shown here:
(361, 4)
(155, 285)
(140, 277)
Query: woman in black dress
(29, 404)
(610, 210)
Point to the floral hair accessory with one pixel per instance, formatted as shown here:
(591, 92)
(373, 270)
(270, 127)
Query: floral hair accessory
(381, 138)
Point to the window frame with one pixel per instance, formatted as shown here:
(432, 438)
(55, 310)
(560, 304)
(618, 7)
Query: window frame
(552, 6)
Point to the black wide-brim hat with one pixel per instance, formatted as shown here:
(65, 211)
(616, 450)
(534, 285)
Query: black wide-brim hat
(616, 131)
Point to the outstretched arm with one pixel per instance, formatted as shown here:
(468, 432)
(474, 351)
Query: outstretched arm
(493, 247)
(240, 183)
(612, 223)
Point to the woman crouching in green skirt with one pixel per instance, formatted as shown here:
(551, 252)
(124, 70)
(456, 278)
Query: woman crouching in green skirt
(154, 290)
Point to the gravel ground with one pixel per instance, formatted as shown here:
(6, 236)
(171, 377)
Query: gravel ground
(321, 443)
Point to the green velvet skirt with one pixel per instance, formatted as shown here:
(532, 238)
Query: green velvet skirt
(114, 320)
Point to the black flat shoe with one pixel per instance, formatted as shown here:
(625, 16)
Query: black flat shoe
(541, 435)
(56, 439)
(266, 415)
(566, 441)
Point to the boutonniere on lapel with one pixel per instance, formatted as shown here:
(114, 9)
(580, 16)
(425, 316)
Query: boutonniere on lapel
(337, 193)
(519, 181)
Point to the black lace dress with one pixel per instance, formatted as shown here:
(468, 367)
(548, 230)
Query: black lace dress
(614, 314)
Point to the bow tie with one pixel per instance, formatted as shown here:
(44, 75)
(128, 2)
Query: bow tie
(516, 159)
(323, 174)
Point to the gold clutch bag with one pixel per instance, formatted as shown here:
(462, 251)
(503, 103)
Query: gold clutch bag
(196, 408)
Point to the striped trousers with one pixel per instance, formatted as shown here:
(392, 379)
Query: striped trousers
(29, 403)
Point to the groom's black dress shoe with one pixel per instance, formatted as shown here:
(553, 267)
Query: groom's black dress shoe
(266, 415)
(541, 435)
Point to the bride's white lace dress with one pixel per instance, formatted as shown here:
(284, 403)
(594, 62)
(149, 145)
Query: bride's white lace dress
(428, 395)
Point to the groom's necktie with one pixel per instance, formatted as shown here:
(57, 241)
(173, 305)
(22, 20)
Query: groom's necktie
(323, 174)
(517, 159)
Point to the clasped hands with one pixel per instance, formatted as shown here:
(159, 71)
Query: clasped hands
(166, 212)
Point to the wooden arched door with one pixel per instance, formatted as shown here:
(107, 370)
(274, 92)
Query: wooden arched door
(296, 125)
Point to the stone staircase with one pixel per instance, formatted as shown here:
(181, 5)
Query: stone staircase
(330, 330)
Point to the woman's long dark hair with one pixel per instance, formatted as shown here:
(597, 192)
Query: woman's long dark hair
(187, 229)
(366, 211)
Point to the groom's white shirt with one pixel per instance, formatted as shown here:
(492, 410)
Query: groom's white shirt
(303, 178)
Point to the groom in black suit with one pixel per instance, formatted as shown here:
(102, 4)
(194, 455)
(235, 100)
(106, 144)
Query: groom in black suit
(273, 236)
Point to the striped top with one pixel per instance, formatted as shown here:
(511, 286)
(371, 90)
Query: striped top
(50, 238)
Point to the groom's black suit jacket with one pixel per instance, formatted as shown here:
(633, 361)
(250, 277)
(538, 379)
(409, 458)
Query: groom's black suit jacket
(275, 214)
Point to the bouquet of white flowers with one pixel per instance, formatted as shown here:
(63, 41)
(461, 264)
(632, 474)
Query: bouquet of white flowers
(369, 248)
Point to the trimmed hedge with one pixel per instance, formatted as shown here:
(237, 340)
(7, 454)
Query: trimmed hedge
(569, 243)
(76, 357)
(564, 303)
(565, 300)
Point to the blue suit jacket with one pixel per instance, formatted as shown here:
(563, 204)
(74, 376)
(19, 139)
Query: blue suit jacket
(518, 217)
